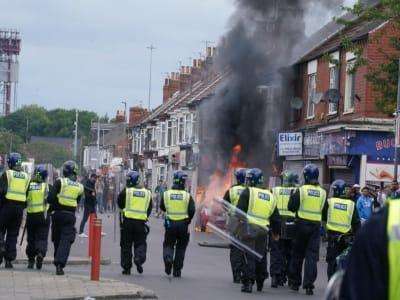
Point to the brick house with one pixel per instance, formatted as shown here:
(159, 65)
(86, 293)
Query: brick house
(343, 132)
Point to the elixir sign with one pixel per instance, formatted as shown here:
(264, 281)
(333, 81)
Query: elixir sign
(290, 144)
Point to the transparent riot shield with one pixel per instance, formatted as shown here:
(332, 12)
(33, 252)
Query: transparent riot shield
(232, 225)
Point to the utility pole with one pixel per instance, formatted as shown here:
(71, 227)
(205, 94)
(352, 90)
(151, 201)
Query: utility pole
(98, 134)
(151, 48)
(397, 129)
(76, 135)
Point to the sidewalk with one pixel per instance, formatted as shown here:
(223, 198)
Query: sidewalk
(24, 284)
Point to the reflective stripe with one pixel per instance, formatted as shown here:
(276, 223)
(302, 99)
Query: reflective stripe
(312, 200)
(70, 192)
(176, 203)
(393, 231)
(37, 195)
(340, 215)
(17, 185)
(234, 194)
(282, 196)
(262, 204)
(135, 199)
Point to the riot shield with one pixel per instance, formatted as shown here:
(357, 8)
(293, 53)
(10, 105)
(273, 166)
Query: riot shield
(232, 225)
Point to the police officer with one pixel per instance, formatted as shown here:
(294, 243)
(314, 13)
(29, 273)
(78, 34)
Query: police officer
(64, 198)
(342, 221)
(280, 251)
(14, 185)
(136, 203)
(373, 266)
(232, 196)
(308, 202)
(260, 206)
(180, 208)
(37, 222)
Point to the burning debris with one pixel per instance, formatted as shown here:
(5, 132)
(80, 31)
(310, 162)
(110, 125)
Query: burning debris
(252, 107)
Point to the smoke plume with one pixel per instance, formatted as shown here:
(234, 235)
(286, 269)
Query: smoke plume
(252, 105)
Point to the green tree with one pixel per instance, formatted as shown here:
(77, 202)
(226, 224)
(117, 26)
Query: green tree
(9, 142)
(44, 152)
(384, 77)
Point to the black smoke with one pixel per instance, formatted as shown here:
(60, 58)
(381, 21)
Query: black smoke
(252, 105)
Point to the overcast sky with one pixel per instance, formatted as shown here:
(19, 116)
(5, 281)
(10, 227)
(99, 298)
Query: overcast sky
(92, 54)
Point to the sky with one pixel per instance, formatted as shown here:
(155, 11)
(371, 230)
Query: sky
(92, 54)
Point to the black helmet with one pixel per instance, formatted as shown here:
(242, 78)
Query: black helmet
(180, 178)
(240, 175)
(254, 177)
(70, 169)
(338, 188)
(132, 178)
(40, 173)
(311, 174)
(14, 160)
(289, 178)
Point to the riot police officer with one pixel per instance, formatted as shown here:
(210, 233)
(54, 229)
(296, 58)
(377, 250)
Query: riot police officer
(180, 208)
(136, 205)
(14, 185)
(280, 251)
(37, 222)
(260, 206)
(342, 221)
(232, 196)
(307, 202)
(64, 198)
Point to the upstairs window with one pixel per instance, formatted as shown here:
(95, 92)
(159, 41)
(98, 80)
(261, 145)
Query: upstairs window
(334, 80)
(312, 87)
(350, 83)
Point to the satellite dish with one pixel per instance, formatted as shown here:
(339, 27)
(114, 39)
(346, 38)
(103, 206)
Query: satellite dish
(332, 95)
(297, 103)
(317, 98)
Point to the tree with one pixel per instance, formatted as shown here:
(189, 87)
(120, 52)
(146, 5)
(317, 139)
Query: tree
(384, 77)
(9, 142)
(44, 152)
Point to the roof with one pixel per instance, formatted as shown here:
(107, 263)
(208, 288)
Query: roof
(64, 142)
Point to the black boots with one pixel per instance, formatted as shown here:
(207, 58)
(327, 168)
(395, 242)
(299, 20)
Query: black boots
(168, 268)
(309, 292)
(126, 272)
(139, 268)
(39, 261)
(274, 282)
(59, 270)
(260, 285)
(177, 273)
(247, 287)
(236, 279)
(8, 265)
(31, 263)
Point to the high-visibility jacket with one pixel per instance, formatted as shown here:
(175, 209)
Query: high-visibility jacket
(393, 230)
(176, 204)
(234, 194)
(282, 196)
(137, 203)
(17, 185)
(37, 195)
(312, 200)
(261, 206)
(69, 192)
(340, 215)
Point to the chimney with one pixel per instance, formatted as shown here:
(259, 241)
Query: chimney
(120, 117)
(171, 86)
(136, 115)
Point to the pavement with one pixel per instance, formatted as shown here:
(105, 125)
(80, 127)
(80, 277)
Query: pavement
(206, 274)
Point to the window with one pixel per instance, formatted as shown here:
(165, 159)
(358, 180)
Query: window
(142, 140)
(161, 173)
(188, 128)
(174, 132)
(312, 89)
(195, 128)
(181, 129)
(163, 134)
(333, 84)
(350, 87)
(169, 133)
(158, 137)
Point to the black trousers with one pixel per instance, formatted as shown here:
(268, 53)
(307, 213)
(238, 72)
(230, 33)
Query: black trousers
(10, 222)
(305, 249)
(37, 230)
(254, 269)
(235, 257)
(87, 210)
(63, 235)
(176, 240)
(280, 255)
(133, 232)
(335, 248)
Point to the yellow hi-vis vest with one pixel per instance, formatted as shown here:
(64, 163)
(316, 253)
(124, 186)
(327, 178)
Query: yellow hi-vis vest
(234, 194)
(18, 183)
(137, 203)
(312, 200)
(282, 196)
(340, 214)
(261, 206)
(37, 195)
(176, 204)
(393, 230)
(69, 192)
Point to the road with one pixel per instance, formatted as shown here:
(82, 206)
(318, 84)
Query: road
(206, 274)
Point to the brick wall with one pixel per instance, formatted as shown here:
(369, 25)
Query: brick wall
(136, 115)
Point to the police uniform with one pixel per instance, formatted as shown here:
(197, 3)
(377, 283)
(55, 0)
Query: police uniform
(235, 255)
(308, 202)
(341, 218)
(179, 208)
(63, 199)
(260, 206)
(373, 265)
(13, 193)
(280, 251)
(136, 206)
(37, 222)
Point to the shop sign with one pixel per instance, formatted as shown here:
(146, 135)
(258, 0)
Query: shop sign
(290, 143)
(312, 144)
(378, 146)
(380, 172)
(337, 160)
